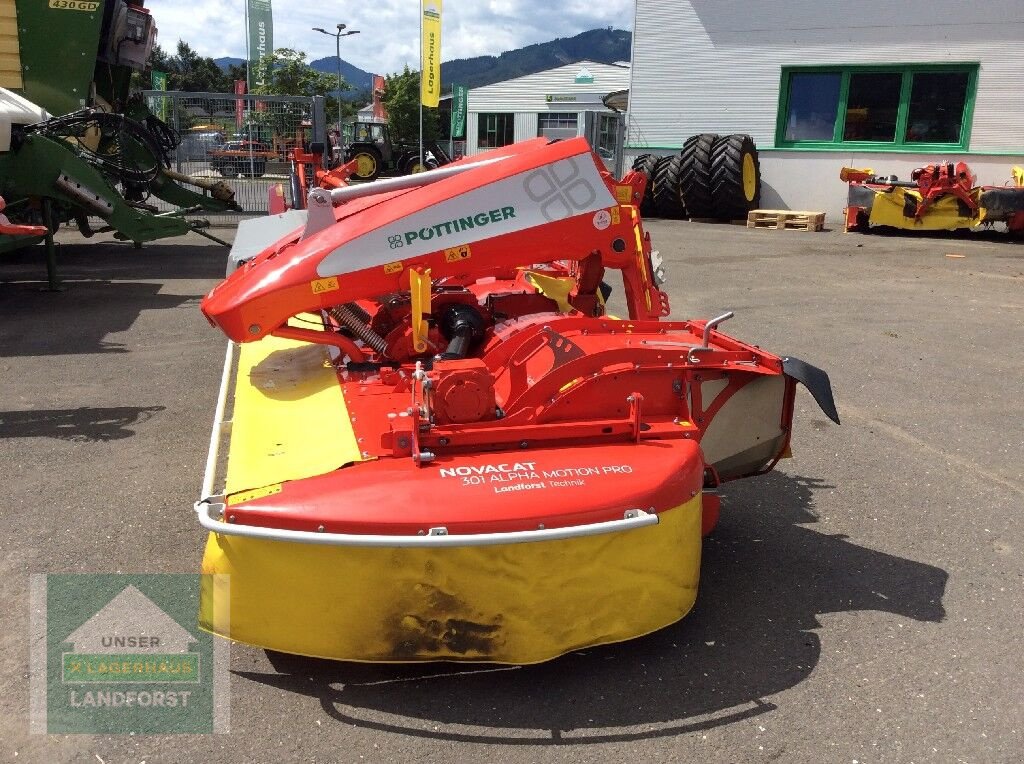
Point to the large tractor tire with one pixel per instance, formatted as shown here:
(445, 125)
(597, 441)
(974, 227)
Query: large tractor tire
(652, 181)
(695, 175)
(667, 199)
(415, 164)
(646, 163)
(735, 177)
(368, 162)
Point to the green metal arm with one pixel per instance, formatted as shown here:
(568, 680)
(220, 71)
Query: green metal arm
(45, 168)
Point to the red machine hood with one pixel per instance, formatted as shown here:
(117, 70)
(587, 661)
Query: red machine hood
(377, 238)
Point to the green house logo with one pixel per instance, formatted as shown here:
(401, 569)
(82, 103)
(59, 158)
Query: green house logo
(584, 77)
(130, 640)
(123, 654)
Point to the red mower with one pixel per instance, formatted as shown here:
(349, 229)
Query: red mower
(440, 446)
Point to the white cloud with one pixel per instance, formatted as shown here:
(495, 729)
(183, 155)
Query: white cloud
(389, 29)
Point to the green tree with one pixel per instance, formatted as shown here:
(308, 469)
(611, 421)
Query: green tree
(237, 71)
(285, 72)
(402, 100)
(188, 71)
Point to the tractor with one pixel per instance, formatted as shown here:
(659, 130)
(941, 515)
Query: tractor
(369, 143)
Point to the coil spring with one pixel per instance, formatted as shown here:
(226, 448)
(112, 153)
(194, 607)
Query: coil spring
(346, 316)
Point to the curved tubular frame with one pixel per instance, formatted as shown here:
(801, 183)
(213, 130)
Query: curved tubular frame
(346, 345)
(209, 514)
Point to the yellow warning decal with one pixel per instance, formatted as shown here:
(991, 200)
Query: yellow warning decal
(319, 286)
(615, 215)
(255, 493)
(75, 5)
(623, 194)
(393, 268)
(455, 254)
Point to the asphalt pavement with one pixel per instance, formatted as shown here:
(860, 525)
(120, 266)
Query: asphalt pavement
(863, 603)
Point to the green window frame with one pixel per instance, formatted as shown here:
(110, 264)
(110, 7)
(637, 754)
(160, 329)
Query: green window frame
(900, 142)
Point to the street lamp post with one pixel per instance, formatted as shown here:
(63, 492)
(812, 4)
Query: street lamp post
(337, 47)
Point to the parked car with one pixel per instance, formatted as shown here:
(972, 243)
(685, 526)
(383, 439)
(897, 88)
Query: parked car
(245, 158)
(197, 145)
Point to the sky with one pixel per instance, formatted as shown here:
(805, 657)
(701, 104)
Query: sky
(389, 29)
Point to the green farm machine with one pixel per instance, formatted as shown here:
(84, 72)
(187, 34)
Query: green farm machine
(369, 144)
(75, 145)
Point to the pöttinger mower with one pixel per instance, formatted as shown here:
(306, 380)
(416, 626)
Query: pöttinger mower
(440, 445)
(939, 197)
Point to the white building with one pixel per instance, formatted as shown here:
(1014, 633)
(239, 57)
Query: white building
(558, 103)
(820, 84)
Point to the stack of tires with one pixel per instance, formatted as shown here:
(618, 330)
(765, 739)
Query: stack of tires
(714, 176)
(646, 163)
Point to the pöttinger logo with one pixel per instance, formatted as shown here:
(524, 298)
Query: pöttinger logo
(560, 190)
(123, 654)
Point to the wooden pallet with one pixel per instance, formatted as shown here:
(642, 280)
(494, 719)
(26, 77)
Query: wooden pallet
(782, 220)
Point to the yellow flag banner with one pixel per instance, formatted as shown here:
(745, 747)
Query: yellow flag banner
(430, 53)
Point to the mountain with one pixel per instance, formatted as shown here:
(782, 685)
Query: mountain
(602, 45)
(353, 75)
(228, 61)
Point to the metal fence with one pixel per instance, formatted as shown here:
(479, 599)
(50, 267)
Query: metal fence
(241, 139)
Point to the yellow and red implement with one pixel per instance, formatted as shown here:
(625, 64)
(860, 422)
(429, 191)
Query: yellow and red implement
(938, 197)
(442, 447)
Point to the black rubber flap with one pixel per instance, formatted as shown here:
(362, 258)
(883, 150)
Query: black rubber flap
(816, 381)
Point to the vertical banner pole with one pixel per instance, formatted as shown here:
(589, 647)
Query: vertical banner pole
(248, 73)
(248, 56)
(430, 59)
(419, 159)
(457, 123)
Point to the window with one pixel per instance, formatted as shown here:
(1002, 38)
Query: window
(557, 125)
(813, 103)
(936, 105)
(607, 138)
(872, 103)
(909, 108)
(494, 130)
(362, 132)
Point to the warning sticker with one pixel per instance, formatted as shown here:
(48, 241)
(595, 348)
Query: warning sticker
(602, 219)
(395, 267)
(615, 215)
(455, 254)
(319, 286)
(623, 194)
